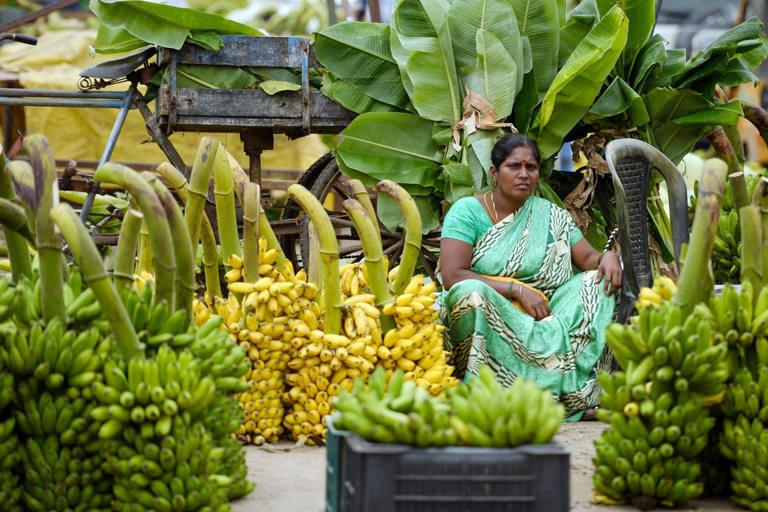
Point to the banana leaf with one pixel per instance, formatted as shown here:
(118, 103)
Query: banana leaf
(273, 87)
(392, 217)
(352, 98)
(479, 148)
(495, 76)
(679, 118)
(579, 82)
(421, 45)
(539, 23)
(650, 57)
(670, 69)
(619, 98)
(368, 181)
(642, 19)
(214, 77)
(524, 109)
(457, 181)
(359, 54)
(163, 25)
(496, 17)
(580, 21)
(394, 146)
(116, 40)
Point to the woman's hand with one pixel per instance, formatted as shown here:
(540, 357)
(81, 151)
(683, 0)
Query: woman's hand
(610, 269)
(533, 303)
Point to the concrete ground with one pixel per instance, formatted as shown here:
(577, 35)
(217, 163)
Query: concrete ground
(292, 479)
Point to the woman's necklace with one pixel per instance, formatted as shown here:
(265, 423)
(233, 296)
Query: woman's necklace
(495, 215)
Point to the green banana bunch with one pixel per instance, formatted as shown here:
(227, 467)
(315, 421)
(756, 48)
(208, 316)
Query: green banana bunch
(155, 323)
(726, 252)
(481, 413)
(746, 443)
(741, 319)
(178, 471)
(661, 346)
(10, 490)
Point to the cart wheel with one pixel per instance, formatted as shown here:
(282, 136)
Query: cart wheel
(330, 180)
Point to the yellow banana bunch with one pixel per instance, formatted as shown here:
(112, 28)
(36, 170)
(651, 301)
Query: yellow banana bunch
(353, 278)
(416, 345)
(663, 289)
(326, 363)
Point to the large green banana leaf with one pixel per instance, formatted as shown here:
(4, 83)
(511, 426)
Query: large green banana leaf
(580, 21)
(642, 18)
(650, 57)
(457, 181)
(159, 24)
(670, 69)
(369, 181)
(497, 17)
(351, 97)
(426, 57)
(679, 118)
(358, 54)
(393, 146)
(495, 76)
(539, 23)
(579, 82)
(619, 98)
(391, 215)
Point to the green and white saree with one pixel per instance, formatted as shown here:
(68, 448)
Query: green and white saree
(561, 352)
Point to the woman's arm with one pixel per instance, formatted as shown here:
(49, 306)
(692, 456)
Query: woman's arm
(585, 257)
(455, 259)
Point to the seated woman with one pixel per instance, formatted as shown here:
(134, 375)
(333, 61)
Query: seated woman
(546, 324)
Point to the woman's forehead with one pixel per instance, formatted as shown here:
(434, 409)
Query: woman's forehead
(520, 153)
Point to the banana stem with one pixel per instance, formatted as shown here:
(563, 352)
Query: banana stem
(184, 279)
(412, 246)
(696, 281)
(251, 207)
(751, 246)
(329, 254)
(163, 261)
(127, 241)
(758, 117)
(14, 220)
(361, 194)
(178, 183)
(265, 230)
(722, 145)
(374, 258)
(50, 255)
(95, 275)
(198, 186)
(738, 189)
(760, 200)
(18, 251)
(145, 250)
(223, 188)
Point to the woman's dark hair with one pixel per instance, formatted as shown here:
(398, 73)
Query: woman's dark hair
(508, 143)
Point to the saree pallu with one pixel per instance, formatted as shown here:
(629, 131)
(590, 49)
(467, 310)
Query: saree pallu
(561, 352)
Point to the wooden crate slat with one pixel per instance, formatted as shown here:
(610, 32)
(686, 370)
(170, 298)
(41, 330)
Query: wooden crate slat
(250, 51)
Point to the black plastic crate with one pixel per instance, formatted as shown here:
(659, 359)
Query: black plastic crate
(371, 477)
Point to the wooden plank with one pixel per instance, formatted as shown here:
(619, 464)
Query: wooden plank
(250, 51)
(251, 103)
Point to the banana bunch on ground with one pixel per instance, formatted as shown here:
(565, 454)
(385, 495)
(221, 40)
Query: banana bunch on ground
(658, 406)
(416, 345)
(10, 490)
(482, 413)
(745, 443)
(663, 289)
(272, 315)
(325, 363)
(726, 253)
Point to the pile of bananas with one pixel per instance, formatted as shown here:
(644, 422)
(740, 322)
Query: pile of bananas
(324, 363)
(672, 370)
(480, 413)
(270, 323)
(741, 319)
(10, 490)
(416, 345)
(726, 253)
(663, 289)
(353, 278)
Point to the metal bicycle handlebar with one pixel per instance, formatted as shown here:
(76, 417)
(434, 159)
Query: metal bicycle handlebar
(19, 38)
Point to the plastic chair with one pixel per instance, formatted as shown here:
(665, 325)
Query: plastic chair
(630, 162)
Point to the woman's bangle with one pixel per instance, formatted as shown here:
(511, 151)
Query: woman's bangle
(511, 288)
